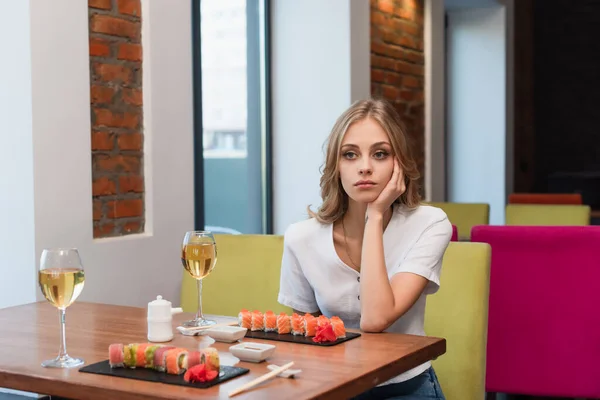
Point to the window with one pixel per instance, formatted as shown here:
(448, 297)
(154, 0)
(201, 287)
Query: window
(232, 147)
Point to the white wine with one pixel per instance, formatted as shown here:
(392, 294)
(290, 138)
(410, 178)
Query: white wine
(61, 286)
(199, 259)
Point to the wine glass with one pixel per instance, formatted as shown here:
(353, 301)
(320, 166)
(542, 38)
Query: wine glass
(61, 280)
(199, 256)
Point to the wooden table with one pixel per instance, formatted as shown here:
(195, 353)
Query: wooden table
(29, 334)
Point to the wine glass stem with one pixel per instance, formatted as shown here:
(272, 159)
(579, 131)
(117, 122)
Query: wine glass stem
(62, 353)
(199, 315)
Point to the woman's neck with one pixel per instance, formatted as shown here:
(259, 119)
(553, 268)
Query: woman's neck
(354, 219)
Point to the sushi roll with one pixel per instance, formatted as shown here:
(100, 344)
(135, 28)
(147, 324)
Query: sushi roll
(322, 320)
(129, 353)
(210, 358)
(193, 358)
(175, 359)
(338, 327)
(245, 319)
(297, 323)
(149, 354)
(140, 355)
(159, 357)
(284, 324)
(116, 355)
(270, 322)
(258, 321)
(310, 325)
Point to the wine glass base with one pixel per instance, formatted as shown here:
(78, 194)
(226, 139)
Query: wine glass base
(65, 362)
(198, 322)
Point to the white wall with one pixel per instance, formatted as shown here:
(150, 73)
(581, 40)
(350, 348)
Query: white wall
(134, 269)
(476, 108)
(17, 234)
(320, 65)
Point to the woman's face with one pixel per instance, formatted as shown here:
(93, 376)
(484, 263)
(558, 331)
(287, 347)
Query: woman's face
(366, 161)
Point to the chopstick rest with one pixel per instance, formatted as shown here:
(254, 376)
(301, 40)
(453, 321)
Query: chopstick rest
(290, 373)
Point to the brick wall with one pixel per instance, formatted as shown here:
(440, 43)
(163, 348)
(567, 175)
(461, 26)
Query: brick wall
(397, 64)
(116, 112)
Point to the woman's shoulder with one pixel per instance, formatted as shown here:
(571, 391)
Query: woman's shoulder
(301, 231)
(425, 216)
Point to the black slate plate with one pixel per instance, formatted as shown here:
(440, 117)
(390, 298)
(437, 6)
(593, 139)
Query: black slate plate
(150, 375)
(297, 339)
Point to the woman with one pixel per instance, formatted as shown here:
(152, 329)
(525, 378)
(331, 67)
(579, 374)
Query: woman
(371, 253)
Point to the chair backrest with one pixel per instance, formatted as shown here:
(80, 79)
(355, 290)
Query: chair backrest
(454, 237)
(545, 198)
(465, 216)
(246, 275)
(547, 215)
(458, 312)
(544, 324)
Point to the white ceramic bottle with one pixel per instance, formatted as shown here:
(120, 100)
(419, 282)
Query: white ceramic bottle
(160, 320)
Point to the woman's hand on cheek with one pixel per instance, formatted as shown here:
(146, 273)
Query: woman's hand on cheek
(394, 189)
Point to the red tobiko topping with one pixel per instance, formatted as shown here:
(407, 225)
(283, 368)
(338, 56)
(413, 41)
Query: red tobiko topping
(325, 333)
(199, 373)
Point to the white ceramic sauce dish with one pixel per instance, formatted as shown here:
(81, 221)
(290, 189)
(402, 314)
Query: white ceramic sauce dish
(252, 352)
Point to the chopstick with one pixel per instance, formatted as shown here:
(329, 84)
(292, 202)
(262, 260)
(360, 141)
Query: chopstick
(202, 328)
(260, 379)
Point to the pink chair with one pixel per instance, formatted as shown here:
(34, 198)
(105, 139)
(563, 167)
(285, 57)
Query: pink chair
(544, 310)
(454, 237)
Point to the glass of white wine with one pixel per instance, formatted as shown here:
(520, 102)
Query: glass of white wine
(199, 256)
(61, 280)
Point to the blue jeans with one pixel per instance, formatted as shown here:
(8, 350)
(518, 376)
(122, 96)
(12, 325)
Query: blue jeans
(421, 387)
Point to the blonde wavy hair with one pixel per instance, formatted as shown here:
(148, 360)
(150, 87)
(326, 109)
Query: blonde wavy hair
(335, 199)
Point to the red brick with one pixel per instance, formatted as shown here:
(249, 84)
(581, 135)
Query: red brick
(102, 141)
(133, 141)
(382, 62)
(125, 208)
(101, 94)
(97, 209)
(132, 227)
(393, 78)
(409, 28)
(414, 57)
(104, 230)
(105, 117)
(99, 47)
(101, 4)
(401, 108)
(113, 73)
(133, 96)
(130, 7)
(403, 67)
(410, 82)
(386, 6)
(377, 75)
(117, 163)
(132, 183)
(405, 14)
(114, 26)
(103, 187)
(407, 95)
(130, 51)
(408, 41)
(378, 18)
(390, 93)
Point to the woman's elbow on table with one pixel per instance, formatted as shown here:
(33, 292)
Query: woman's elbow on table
(373, 325)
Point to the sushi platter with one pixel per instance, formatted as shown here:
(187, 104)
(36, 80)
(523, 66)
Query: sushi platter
(300, 329)
(165, 364)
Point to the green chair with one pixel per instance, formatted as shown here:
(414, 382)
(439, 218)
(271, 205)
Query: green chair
(458, 312)
(246, 275)
(547, 214)
(465, 216)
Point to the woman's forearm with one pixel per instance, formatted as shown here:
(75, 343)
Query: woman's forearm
(376, 295)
